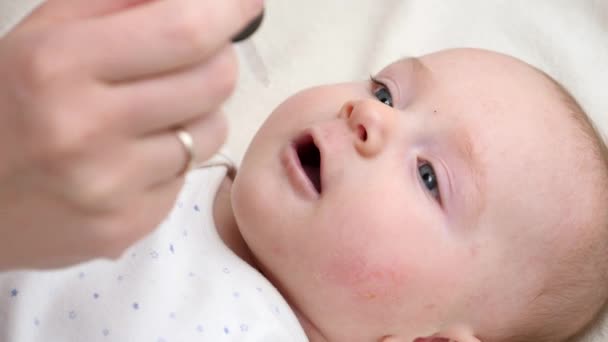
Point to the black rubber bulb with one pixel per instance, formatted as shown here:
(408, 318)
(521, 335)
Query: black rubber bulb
(250, 29)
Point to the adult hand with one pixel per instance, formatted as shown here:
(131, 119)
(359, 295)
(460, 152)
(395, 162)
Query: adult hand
(90, 95)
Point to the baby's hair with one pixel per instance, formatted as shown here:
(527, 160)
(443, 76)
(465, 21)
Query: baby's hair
(593, 331)
(573, 307)
(588, 271)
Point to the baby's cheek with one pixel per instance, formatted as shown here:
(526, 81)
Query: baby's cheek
(361, 279)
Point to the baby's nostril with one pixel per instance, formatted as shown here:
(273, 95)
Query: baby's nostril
(348, 110)
(362, 132)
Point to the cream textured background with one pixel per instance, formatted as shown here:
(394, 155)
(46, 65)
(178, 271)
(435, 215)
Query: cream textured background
(303, 43)
(307, 42)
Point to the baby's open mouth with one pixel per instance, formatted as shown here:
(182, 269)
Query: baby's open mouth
(310, 159)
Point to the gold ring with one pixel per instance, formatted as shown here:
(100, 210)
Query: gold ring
(188, 142)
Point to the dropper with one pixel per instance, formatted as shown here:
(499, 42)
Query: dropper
(250, 29)
(250, 52)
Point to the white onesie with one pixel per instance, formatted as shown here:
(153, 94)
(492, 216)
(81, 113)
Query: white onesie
(181, 283)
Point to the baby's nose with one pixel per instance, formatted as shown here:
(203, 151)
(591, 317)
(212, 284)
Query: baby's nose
(371, 122)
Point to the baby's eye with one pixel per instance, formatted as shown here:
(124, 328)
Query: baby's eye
(381, 92)
(429, 178)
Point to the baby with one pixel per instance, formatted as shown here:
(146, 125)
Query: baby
(458, 196)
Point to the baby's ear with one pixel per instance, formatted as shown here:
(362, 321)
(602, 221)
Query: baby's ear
(434, 338)
(454, 334)
(443, 338)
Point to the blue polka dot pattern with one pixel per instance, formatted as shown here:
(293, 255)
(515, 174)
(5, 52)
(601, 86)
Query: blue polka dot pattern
(178, 284)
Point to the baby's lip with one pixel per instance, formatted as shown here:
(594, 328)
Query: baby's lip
(313, 137)
(299, 175)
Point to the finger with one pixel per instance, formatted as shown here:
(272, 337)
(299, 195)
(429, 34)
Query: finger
(154, 104)
(62, 10)
(148, 211)
(166, 157)
(164, 36)
(161, 199)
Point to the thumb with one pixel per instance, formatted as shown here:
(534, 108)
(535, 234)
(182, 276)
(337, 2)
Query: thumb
(53, 11)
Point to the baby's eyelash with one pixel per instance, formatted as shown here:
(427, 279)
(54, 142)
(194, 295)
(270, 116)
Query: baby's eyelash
(381, 91)
(377, 82)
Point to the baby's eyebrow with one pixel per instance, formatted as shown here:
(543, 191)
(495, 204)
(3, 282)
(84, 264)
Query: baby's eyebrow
(418, 65)
(472, 159)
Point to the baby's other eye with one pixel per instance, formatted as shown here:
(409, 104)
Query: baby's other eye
(429, 178)
(381, 92)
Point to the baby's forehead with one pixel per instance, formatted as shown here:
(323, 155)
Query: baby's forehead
(521, 122)
(509, 108)
(488, 88)
(477, 77)
(476, 60)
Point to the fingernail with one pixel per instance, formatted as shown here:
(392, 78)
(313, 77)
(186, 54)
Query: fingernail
(250, 29)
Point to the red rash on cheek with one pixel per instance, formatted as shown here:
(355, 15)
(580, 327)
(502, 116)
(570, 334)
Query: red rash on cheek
(277, 251)
(474, 250)
(365, 281)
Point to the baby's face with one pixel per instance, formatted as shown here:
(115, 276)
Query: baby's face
(420, 205)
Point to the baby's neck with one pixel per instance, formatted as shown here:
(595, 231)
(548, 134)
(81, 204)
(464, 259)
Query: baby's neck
(226, 225)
